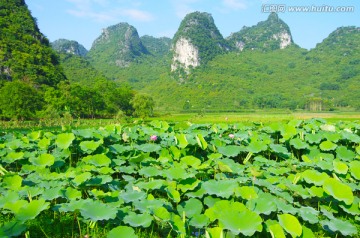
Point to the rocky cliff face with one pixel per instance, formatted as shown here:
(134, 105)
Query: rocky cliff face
(196, 42)
(118, 45)
(69, 47)
(267, 35)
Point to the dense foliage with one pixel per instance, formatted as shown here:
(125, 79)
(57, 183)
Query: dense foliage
(157, 46)
(299, 179)
(69, 47)
(25, 53)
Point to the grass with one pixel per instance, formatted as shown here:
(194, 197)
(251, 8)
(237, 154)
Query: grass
(263, 116)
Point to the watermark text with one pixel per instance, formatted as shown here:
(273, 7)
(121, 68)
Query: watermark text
(268, 8)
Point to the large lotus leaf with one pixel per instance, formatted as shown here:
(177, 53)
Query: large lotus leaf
(199, 221)
(338, 190)
(316, 191)
(162, 213)
(309, 214)
(173, 194)
(122, 231)
(81, 178)
(52, 193)
(190, 161)
(152, 184)
(245, 222)
(336, 225)
(355, 169)
(221, 188)
(181, 140)
(229, 150)
(73, 205)
(138, 220)
(264, 204)
(188, 184)
(176, 173)
(15, 206)
(275, 229)
(64, 140)
(12, 228)
(15, 144)
(298, 144)
(178, 224)
(223, 207)
(314, 177)
(44, 143)
(132, 195)
(256, 146)
(340, 167)
(307, 233)
(354, 208)
(314, 138)
(98, 160)
(96, 211)
(290, 224)
(279, 149)
(72, 193)
(31, 210)
(150, 203)
(13, 156)
(90, 146)
(215, 232)
(246, 192)
(149, 148)
(345, 154)
(288, 131)
(201, 141)
(150, 171)
(13, 182)
(327, 145)
(43, 160)
(190, 207)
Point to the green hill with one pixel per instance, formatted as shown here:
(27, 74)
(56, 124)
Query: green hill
(25, 53)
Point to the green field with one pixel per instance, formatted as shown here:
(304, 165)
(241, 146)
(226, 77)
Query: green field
(218, 175)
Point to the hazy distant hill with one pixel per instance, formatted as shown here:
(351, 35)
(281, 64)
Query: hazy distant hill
(69, 47)
(267, 35)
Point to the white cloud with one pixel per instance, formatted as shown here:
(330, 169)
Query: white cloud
(138, 15)
(103, 11)
(235, 4)
(183, 7)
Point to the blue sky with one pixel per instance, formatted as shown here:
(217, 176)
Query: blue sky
(83, 20)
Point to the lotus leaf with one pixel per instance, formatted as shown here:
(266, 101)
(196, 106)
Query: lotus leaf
(314, 138)
(201, 141)
(307, 233)
(31, 210)
(90, 146)
(132, 195)
(327, 145)
(344, 227)
(98, 160)
(276, 230)
(44, 143)
(138, 220)
(13, 182)
(122, 231)
(221, 188)
(176, 173)
(190, 207)
(162, 213)
(230, 150)
(314, 177)
(13, 156)
(222, 208)
(12, 228)
(43, 160)
(178, 224)
(340, 167)
(246, 192)
(149, 148)
(215, 232)
(345, 154)
(72, 194)
(338, 190)
(256, 146)
(173, 194)
(15, 206)
(290, 224)
(64, 140)
(298, 144)
(188, 184)
(181, 140)
(96, 211)
(309, 214)
(150, 171)
(263, 204)
(355, 169)
(199, 221)
(190, 161)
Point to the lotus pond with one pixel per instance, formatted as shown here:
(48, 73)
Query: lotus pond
(295, 179)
